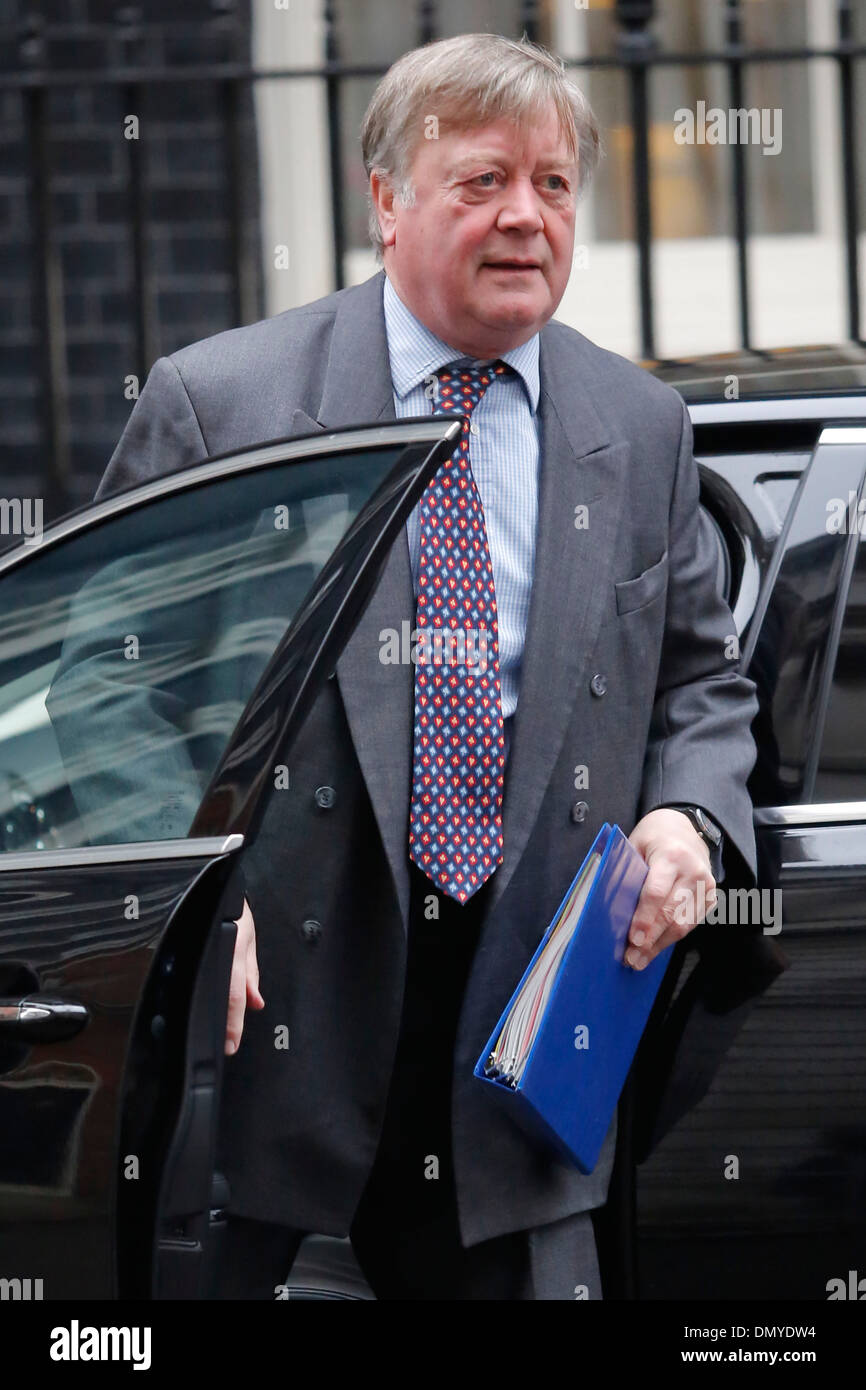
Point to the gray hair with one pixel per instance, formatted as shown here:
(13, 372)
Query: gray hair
(465, 82)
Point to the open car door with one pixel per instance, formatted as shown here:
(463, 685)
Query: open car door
(156, 651)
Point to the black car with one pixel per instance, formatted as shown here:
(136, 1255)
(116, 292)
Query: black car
(207, 608)
(231, 588)
(759, 1190)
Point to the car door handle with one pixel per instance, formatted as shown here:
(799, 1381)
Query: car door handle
(39, 1020)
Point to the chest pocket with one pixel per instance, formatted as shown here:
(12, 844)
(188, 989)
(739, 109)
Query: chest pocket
(638, 592)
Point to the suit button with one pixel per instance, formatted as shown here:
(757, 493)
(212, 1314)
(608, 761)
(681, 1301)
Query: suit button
(325, 797)
(311, 930)
(578, 812)
(598, 684)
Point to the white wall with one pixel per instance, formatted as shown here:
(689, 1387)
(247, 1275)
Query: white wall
(293, 154)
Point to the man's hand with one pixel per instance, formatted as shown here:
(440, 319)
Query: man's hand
(678, 861)
(244, 987)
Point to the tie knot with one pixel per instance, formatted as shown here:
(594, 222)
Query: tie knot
(461, 387)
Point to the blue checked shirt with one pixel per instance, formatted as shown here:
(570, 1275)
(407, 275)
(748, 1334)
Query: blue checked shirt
(505, 456)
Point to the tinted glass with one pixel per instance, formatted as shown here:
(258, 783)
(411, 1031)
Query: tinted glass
(794, 639)
(128, 651)
(841, 773)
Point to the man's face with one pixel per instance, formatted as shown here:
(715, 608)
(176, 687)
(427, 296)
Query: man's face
(484, 255)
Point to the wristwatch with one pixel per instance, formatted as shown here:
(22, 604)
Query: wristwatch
(706, 828)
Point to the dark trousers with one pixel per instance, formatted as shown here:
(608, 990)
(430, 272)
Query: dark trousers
(405, 1231)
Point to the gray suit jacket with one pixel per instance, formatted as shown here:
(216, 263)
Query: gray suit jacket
(625, 671)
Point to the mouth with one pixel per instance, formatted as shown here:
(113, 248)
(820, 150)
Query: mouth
(518, 266)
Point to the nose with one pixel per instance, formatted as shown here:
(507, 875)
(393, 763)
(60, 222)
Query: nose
(521, 209)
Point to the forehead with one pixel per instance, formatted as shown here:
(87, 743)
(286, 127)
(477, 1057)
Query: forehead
(531, 139)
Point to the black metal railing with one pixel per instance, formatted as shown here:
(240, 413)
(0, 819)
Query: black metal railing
(638, 55)
(635, 53)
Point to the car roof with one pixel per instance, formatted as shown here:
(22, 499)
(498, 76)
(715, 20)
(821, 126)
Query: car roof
(793, 372)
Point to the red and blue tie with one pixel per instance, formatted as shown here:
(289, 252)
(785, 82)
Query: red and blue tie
(458, 768)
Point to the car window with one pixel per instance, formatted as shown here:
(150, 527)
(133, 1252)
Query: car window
(841, 771)
(794, 634)
(129, 648)
(747, 495)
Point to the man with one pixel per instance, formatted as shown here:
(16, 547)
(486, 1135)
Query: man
(468, 797)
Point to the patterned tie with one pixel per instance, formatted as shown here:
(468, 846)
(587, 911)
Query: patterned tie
(455, 818)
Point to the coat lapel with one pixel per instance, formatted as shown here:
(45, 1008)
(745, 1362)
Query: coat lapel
(580, 465)
(379, 698)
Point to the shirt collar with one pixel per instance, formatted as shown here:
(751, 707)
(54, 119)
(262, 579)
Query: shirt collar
(416, 352)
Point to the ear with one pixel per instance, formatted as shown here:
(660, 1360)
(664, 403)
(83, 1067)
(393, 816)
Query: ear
(382, 194)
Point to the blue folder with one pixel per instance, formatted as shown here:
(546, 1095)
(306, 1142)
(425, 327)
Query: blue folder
(572, 1034)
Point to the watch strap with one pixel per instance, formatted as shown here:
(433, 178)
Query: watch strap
(702, 823)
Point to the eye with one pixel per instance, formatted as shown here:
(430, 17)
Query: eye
(556, 183)
(488, 174)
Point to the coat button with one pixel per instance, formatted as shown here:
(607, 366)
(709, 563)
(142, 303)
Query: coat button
(598, 684)
(578, 812)
(325, 797)
(311, 930)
